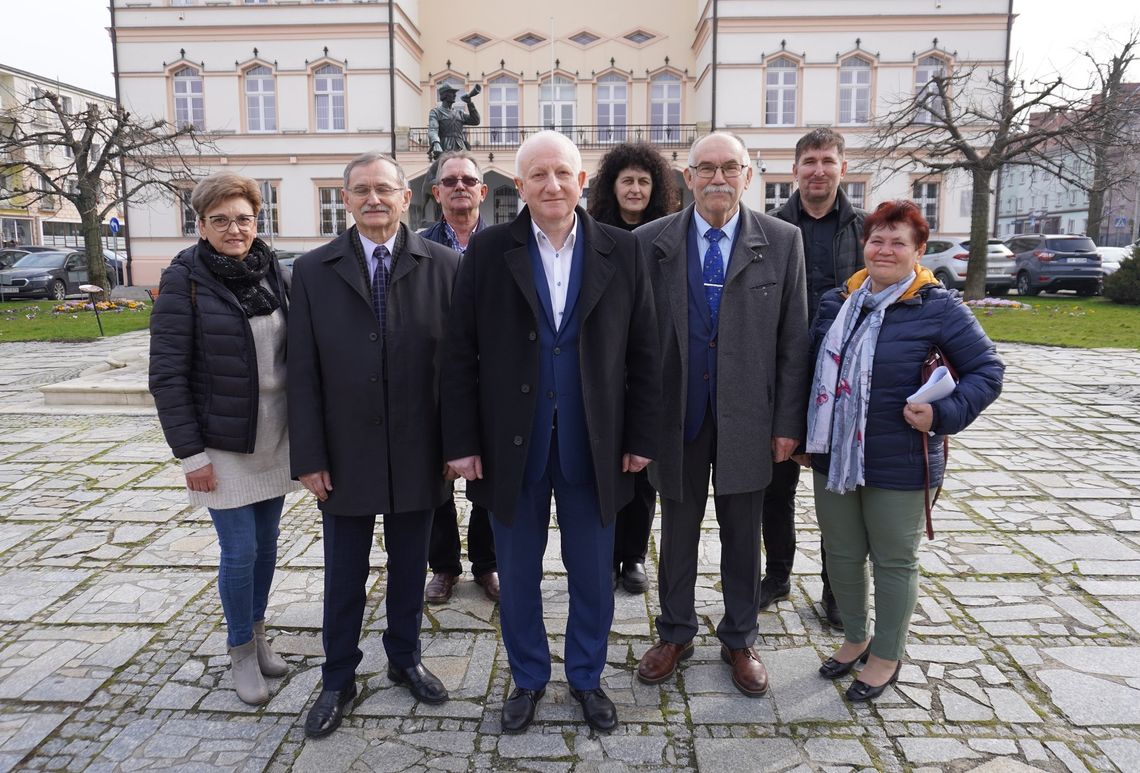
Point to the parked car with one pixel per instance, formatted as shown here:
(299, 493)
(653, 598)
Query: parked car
(286, 258)
(1055, 262)
(53, 275)
(1110, 258)
(9, 256)
(948, 257)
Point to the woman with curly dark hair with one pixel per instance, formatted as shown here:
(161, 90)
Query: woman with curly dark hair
(634, 186)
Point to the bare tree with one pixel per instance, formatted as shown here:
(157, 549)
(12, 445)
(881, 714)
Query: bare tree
(977, 119)
(109, 156)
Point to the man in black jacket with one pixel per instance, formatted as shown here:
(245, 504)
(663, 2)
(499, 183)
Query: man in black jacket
(365, 339)
(832, 231)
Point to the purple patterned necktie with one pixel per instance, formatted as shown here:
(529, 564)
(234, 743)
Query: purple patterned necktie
(714, 273)
(380, 288)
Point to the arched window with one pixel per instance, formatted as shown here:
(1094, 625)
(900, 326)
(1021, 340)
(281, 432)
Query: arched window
(664, 107)
(328, 96)
(929, 68)
(503, 110)
(613, 106)
(506, 203)
(780, 92)
(260, 99)
(854, 91)
(189, 108)
(559, 101)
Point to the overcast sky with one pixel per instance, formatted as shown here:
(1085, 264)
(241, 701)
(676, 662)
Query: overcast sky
(68, 39)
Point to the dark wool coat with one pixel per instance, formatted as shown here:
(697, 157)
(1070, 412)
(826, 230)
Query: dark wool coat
(379, 440)
(920, 319)
(763, 376)
(493, 359)
(203, 365)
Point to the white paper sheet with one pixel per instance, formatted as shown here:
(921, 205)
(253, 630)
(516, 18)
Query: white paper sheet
(940, 384)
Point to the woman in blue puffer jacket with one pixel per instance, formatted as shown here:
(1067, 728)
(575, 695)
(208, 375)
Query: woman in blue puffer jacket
(865, 440)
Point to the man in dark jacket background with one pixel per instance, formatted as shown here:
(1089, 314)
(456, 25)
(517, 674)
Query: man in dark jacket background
(832, 231)
(365, 340)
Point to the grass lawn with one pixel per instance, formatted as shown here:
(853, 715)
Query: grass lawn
(1065, 320)
(35, 321)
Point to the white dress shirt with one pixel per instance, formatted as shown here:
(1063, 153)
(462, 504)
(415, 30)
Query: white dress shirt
(556, 265)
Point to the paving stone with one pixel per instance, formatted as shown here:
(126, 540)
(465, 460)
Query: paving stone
(758, 754)
(192, 744)
(1004, 766)
(836, 751)
(26, 592)
(1089, 700)
(533, 744)
(1123, 752)
(20, 732)
(1010, 706)
(927, 750)
(799, 693)
(132, 597)
(65, 664)
(959, 708)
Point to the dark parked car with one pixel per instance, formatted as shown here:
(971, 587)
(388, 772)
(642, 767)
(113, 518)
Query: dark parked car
(53, 275)
(1055, 262)
(10, 255)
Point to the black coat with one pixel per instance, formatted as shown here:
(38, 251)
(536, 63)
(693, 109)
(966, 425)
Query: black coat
(380, 441)
(203, 364)
(493, 358)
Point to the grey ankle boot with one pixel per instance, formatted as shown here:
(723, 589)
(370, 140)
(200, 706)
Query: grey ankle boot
(248, 681)
(270, 662)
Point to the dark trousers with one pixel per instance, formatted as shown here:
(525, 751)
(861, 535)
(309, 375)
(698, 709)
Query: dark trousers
(348, 541)
(634, 521)
(780, 525)
(739, 517)
(587, 546)
(444, 550)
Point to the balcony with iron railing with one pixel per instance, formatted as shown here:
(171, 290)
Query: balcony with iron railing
(586, 137)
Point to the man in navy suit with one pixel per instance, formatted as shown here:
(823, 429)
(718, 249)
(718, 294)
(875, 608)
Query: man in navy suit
(551, 385)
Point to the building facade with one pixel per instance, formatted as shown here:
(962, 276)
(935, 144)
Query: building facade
(290, 90)
(46, 219)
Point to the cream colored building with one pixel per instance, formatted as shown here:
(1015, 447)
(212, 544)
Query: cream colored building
(51, 219)
(291, 89)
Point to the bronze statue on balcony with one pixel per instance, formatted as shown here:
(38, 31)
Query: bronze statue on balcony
(445, 123)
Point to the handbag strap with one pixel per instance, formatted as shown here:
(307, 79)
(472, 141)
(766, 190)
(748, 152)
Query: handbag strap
(930, 503)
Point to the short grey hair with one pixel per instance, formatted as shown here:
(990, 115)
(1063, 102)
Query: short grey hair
(731, 135)
(453, 154)
(371, 157)
(548, 135)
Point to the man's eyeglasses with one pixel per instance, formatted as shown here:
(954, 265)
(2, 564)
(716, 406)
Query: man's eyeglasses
(221, 223)
(467, 180)
(383, 191)
(708, 171)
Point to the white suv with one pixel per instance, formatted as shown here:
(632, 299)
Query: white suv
(948, 257)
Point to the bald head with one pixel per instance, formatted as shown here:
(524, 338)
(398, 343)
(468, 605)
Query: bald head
(543, 141)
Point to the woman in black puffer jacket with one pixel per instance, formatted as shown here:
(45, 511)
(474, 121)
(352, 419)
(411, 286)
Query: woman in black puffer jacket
(865, 438)
(217, 373)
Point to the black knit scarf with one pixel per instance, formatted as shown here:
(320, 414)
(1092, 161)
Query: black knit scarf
(243, 277)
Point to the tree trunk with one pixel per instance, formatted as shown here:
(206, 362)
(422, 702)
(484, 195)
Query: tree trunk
(93, 247)
(1096, 194)
(979, 234)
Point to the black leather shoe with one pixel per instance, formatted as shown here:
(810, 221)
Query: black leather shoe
(861, 691)
(329, 709)
(833, 669)
(772, 590)
(598, 710)
(518, 711)
(831, 609)
(633, 578)
(422, 684)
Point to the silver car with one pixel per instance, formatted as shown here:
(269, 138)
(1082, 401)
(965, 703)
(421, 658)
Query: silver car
(949, 256)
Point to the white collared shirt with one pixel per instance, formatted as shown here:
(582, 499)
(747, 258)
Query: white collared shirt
(729, 229)
(370, 247)
(556, 265)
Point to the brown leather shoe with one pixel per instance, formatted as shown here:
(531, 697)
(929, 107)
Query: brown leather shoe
(660, 661)
(748, 673)
(438, 591)
(490, 585)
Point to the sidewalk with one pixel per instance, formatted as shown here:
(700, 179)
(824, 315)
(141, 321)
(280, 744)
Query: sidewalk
(1024, 651)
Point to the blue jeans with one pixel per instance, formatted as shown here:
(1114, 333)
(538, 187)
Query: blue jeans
(248, 539)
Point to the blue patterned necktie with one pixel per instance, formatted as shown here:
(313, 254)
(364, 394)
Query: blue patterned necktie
(380, 288)
(714, 272)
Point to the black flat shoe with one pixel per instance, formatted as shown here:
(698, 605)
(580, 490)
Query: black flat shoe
(772, 591)
(831, 610)
(598, 710)
(833, 669)
(422, 684)
(861, 691)
(634, 579)
(329, 709)
(518, 711)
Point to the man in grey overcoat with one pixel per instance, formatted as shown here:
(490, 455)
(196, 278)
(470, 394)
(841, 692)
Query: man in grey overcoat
(731, 306)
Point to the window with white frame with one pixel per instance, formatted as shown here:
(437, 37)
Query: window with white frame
(182, 2)
(613, 102)
(856, 193)
(503, 110)
(558, 100)
(926, 197)
(854, 91)
(776, 195)
(257, 2)
(267, 218)
(780, 92)
(189, 107)
(664, 107)
(929, 68)
(334, 218)
(965, 202)
(260, 99)
(189, 218)
(328, 95)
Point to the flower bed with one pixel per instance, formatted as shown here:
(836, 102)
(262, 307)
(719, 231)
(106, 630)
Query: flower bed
(114, 307)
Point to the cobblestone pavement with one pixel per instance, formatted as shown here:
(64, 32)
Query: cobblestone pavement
(1024, 650)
